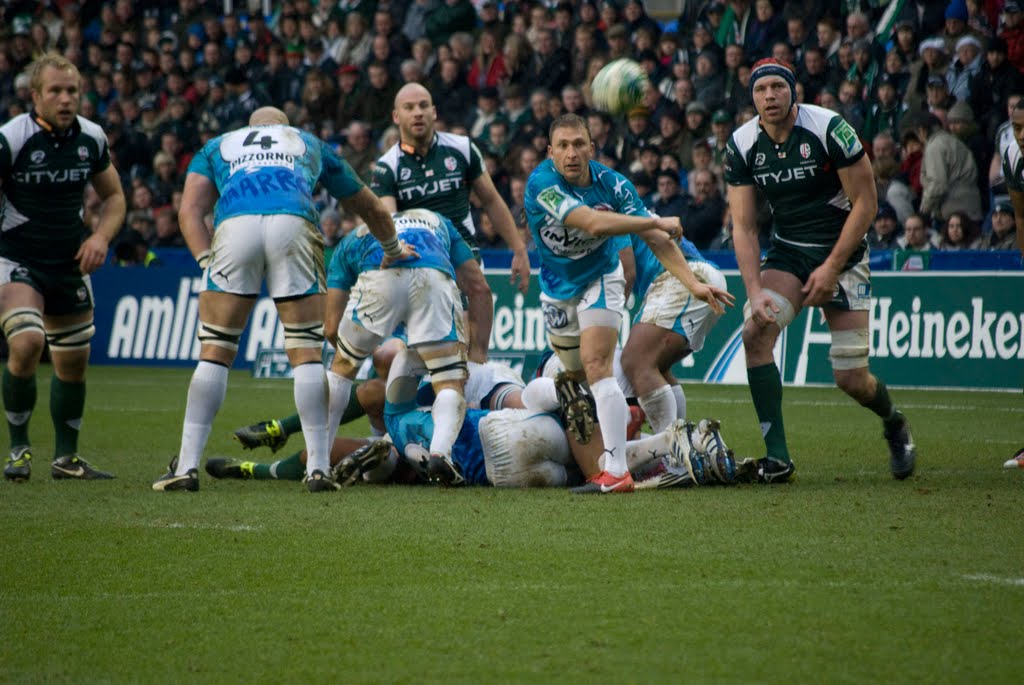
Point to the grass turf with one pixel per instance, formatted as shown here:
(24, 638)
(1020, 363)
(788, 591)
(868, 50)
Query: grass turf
(843, 576)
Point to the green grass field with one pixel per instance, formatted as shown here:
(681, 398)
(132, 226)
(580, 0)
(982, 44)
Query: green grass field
(843, 576)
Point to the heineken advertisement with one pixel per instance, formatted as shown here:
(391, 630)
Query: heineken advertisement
(928, 329)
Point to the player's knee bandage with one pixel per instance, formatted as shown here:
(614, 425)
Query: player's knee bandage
(449, 367)
(355, 343)
(219, 336)
(524, 449)
(300, 335)
(783, 317)
(22, 320)
(69, 338)
(568, 350)
(849, 349)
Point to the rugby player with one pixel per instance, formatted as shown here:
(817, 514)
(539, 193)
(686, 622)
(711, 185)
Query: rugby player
(47, 157)
(1013, 168)
(811, 166)
(366, 304)
(573, 206)
(260, 180)
(437, 171)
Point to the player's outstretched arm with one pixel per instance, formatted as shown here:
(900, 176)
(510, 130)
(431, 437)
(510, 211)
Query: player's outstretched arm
(197, 200)
(671, 257)
(859, 184)
(93, 251)
(378, 219)
(505, 225)
(603, 224)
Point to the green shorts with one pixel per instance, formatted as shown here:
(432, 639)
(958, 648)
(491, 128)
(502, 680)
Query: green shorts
(64, 291)
(853, 289)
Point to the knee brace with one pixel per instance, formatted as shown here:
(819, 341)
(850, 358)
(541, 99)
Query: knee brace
(219, 336)
(786, 313)
(568, 350)
(446, 367)
(355, 343)
(299, 335)
(849, 349)
(22, 320)
(68, 338)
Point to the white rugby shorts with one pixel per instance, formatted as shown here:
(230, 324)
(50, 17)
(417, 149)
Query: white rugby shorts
(284, 249)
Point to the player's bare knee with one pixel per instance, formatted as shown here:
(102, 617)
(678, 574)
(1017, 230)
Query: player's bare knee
(70, 366)
(354, 344)
(385, 355)
(758, 339)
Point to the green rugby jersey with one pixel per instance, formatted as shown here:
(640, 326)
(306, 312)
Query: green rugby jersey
(799, 176)
(439, 181)
(43, 175)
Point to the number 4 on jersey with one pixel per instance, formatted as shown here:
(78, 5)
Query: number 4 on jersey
(265, 142)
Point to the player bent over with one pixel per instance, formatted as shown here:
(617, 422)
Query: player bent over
(819, 184)
(421, 292)
(260, 179)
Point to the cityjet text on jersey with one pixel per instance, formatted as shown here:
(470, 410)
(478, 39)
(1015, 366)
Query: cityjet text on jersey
(443, 185)
(55, 176)
(786, 175)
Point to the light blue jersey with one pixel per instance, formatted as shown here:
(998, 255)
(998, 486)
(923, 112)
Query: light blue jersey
(572, 259)
(272, 170)
(435, 238)
(649, 268)
(408, 424)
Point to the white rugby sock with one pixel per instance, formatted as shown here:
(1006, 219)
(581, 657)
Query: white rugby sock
(310, 389)
(646, 449)
(205, 395)
(341, 394)
(449, 411)
(677, 392)
(660, 407)
(540, 395)
(613, 417)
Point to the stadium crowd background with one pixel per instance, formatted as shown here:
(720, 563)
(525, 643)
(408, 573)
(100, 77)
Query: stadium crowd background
(163, 77)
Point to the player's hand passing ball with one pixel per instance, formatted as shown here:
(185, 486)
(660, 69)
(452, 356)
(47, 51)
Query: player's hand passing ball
(714, 297)
(92, 253)
(408, 252)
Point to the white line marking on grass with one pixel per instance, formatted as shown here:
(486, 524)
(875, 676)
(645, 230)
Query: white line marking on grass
(989, 578)
(139, 410)
(239, 528)
(902, 405)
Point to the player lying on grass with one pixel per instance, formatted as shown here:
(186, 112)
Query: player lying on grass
(505, 448)
(490, 386)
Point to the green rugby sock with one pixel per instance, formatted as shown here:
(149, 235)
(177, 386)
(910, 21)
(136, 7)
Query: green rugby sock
(766, 391)
(67, 404)
(881, 403)
(290, 468)
(290, 425)
(19, 401)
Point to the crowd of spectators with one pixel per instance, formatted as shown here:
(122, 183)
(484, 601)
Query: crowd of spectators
(927, 85)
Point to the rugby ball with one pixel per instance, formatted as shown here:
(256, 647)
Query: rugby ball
(619, 86)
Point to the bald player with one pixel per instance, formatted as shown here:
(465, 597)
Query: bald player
(434, 170)
(258, 180)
